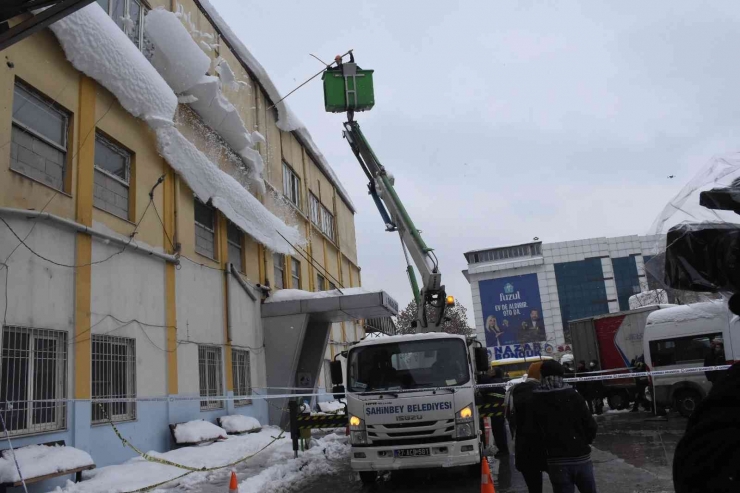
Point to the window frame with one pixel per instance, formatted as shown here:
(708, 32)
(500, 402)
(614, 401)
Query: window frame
(143, 8)
(213, 231)
(278, 260)
(118, 149)
(320, 282)
(295, 273)
(240, 246)
(653, 347)
(129, 373)
(291, 185)
(314, 208)
(203, 351)
(64, 148)
(59, 386)
(236, 368)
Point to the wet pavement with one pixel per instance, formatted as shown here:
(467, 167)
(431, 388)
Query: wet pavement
(632, 453)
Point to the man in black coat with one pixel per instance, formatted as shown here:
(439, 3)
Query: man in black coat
(707, 458)
(566, 431)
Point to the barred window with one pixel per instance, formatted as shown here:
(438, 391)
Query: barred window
(34, 370)
(38, 137)
(279, 260)
(295, 273)
(205, 229)
(291, 186)
(242, 376)
(113, 377)
(210, 373)
(112, 177)
(234, 237)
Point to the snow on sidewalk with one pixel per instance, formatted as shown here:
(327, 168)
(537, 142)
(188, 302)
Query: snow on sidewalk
(272, 469)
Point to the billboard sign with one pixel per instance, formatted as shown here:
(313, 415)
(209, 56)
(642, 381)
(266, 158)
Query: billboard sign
(512, 315)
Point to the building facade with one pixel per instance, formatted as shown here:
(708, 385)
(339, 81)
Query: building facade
(525, 295)
(121, 278)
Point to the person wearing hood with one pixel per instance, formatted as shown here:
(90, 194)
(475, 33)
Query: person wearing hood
(529, 456)
(566, 430)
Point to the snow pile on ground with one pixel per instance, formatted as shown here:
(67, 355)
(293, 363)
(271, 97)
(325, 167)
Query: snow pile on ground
(237, 423)
(273, 469)
(198, 431)
(287, 121)
(332, 407)
(299, 294)
(96, 46)
(40, 460)
(139, 473)
(326, 456)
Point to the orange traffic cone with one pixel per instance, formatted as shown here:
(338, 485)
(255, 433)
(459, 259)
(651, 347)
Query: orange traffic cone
(486, 480)
(233, 485)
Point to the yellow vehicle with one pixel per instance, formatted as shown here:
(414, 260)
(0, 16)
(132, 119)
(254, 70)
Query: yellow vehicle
(516, 367)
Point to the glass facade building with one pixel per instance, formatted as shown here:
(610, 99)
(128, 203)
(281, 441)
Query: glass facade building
(626, 279)
(581, 290)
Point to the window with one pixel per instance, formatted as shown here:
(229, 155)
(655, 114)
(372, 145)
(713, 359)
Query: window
(112, 177)
(129, 16)
(279, 260)
(205, 229)
(681, 350)
(332, 286)
(625, 277)
(209, 371)
(320, 283)
(327, 223)
(581, 291)
(113, 377)
(313, 209)
(34, 368)
(38, 138)
(291, 186)
(242, 376)
(295, 273)
(234, 237)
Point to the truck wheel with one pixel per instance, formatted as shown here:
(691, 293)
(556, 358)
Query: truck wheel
(619, 400)
(368, 477)
(686, 402)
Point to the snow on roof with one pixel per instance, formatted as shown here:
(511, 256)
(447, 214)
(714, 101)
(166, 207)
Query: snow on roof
(299, 294)
(40, 460)
(97, 47)
(287, 120)
(408, 338)
(684, 313)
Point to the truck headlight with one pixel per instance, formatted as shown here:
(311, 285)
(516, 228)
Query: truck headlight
(464, 426)
(357, 432)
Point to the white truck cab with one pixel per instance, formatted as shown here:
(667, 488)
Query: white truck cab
(411, 404)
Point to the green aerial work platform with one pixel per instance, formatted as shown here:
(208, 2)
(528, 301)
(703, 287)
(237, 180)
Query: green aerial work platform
(348, 88)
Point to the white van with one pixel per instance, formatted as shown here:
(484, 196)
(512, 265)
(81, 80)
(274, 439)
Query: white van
(680, 337)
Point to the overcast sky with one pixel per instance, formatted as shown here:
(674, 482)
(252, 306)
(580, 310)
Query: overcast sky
(503, 121)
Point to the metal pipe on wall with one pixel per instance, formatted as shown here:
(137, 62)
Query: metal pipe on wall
(81, 228)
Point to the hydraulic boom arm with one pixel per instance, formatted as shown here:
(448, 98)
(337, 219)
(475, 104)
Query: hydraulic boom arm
(396, 218)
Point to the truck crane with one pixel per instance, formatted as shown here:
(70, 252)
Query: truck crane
(347, 87)
(410, 398)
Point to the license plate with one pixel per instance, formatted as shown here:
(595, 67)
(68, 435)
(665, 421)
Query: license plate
(412, 452)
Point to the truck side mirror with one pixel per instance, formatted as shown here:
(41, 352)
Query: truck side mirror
(481, 358)
(336, 372)
(338, 391)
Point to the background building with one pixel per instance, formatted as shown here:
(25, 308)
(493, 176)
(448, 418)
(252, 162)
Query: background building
(149, 237)
(524, 295)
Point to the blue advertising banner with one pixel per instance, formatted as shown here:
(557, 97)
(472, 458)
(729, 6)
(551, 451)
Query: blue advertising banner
(512, 314)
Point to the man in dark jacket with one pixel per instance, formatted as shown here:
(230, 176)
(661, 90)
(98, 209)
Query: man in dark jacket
(707, 458)
(528, 451)
(716, 357)
(566, 430)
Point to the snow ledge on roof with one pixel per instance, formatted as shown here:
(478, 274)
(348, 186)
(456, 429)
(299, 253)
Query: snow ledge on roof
(299, 294)
(287, 120)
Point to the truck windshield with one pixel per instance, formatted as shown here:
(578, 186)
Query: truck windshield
(408, 365)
